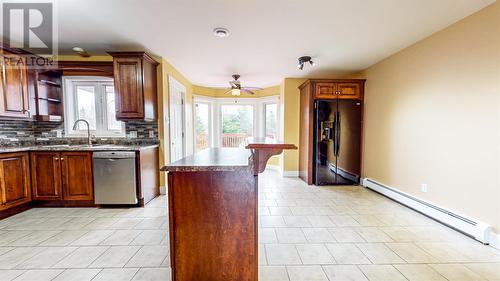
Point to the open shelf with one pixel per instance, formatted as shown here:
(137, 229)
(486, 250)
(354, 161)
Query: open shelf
(50, 83)
(50, 100)
(48, 96)
(50, 118)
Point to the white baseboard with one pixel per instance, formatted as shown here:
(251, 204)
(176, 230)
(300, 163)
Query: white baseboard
(163, 190)
(472, 227)
(495, 240)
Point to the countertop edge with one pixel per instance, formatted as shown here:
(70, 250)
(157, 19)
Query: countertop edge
(78, 148)
(213, 159)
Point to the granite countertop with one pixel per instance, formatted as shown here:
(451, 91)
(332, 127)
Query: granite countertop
(212, 159)
(76, 147)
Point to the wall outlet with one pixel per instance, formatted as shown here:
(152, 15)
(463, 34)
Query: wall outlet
(151, 133)
(132, 134)
(424, 187)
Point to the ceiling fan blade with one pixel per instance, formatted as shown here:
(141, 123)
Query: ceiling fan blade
(228, 91)
(244, 90)
(252, 88)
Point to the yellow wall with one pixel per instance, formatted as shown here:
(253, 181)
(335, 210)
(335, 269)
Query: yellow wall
(432, 116)
(221, 93)
(166, 70)
(290, 108)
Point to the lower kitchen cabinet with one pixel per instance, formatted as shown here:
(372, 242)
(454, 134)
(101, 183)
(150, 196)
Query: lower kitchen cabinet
(62, 176)
(77, 183)
(14, 180)
(46, 175)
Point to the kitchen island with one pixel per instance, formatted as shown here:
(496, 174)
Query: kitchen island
(213, 197)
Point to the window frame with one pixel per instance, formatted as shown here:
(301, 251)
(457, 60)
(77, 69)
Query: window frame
(264, 105)
(209, 104)
(71, 106)
(259, 118)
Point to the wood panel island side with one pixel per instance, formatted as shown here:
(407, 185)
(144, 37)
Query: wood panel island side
(212, 197)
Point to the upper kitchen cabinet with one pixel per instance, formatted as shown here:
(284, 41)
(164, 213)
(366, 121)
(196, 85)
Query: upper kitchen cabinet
(14, 96)
(135, 85)
(337, 88)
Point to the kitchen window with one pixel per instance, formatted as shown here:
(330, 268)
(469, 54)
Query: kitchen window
(92, 99)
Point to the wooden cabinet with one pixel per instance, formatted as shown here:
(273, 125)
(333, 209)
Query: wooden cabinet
(148, 174)
(14, 86)
(48, 96)
(77, 183)
(62, 176)
(342, 89)
(320, 89)
(46, 175)
(349, 90)
(326, 90)
(135, 85)
(14, 180)
(213, 222)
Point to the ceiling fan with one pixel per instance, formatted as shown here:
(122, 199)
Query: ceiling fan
(236, 87)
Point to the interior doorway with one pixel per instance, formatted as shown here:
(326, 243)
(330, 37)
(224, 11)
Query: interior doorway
(177, 93)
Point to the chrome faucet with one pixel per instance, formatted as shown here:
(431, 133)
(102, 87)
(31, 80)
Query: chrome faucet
(89, 141)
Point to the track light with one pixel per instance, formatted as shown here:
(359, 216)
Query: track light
(303, 60)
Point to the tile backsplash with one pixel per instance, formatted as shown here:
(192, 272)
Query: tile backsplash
(21, 132)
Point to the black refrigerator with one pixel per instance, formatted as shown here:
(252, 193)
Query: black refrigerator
(337, 141)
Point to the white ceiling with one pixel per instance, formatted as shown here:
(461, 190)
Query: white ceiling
(267, 36)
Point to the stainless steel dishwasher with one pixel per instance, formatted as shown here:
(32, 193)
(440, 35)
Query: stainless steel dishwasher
(115, 178)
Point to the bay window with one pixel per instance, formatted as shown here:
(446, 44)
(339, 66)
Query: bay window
(227, 122)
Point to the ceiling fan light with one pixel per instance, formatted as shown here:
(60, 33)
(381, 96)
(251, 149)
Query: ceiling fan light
(235, 92)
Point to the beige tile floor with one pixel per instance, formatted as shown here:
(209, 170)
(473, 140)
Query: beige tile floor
(305, 234)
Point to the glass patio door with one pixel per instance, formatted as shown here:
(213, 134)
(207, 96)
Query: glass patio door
(237, 124)
(202, 126)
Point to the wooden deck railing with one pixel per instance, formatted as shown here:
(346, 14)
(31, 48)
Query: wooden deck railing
(228, 140)
(233, 140)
